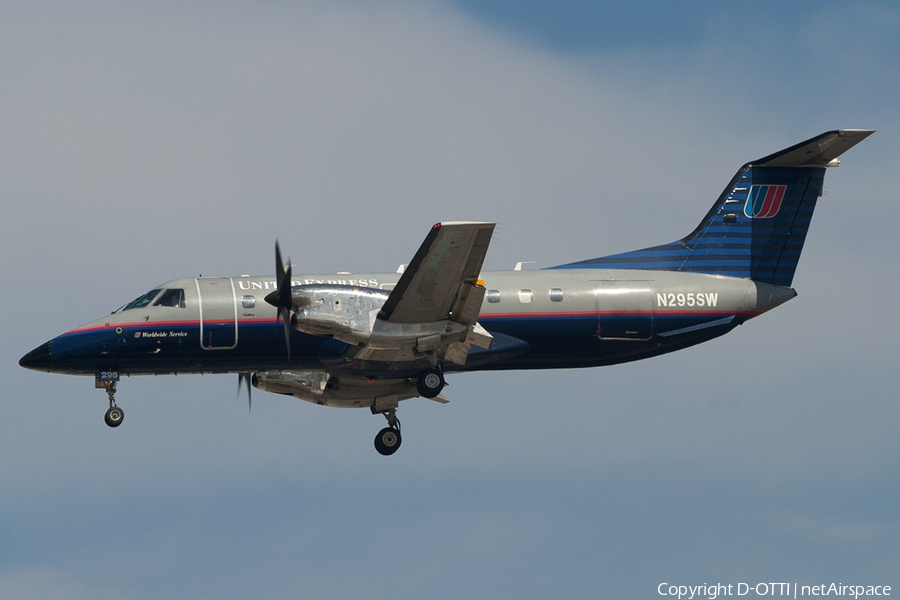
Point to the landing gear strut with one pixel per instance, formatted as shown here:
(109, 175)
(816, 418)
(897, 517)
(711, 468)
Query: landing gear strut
(388, 439)
(114, 415)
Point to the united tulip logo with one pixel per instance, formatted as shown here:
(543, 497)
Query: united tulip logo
(764, 201)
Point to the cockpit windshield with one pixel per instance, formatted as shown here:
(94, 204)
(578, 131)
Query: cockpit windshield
(143, 300)
(173, 298)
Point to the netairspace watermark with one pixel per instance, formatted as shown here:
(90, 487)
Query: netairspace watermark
(794, 590)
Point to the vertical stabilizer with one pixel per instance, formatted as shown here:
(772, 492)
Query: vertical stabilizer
(757, 227)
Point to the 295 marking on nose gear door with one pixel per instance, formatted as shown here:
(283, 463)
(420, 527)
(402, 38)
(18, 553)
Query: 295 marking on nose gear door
(108, 376)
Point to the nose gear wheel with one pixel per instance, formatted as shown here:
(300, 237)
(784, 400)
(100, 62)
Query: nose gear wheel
(115, 415)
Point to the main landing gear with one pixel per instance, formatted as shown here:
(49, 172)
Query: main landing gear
(388, 439)
(430, 383)
(115, 415)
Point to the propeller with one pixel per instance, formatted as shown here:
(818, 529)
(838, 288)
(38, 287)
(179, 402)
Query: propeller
(245, 377)
(281, 297)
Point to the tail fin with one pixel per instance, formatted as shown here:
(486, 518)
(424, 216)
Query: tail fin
(757, 227)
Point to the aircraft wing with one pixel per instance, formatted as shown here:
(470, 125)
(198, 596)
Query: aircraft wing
(441, 282)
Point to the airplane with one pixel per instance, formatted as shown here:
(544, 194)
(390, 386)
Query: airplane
(372, 340)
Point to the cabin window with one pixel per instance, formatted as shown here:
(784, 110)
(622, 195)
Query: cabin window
(248, 301)
(525, 296)
(173, 298)
(143, 300)
(493, 296)
(556, 295)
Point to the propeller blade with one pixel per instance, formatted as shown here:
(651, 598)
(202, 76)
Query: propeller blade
(281, 297)
(286, 317)
(285, 292)
(279, 266)
(242, 378)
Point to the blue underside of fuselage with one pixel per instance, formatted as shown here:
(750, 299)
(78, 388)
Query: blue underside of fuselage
(520, 343)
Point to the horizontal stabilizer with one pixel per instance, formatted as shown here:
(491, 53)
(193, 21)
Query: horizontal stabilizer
(820, 151)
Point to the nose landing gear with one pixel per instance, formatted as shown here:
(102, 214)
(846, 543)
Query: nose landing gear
(115, 415)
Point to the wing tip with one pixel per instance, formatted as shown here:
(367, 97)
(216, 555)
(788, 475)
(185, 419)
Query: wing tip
(462, 223)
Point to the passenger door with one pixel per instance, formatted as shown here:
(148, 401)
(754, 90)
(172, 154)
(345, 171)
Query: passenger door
(218, 313)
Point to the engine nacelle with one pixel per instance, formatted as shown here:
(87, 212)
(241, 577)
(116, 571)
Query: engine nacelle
(345, 312)
(349, 313)
(319, 387)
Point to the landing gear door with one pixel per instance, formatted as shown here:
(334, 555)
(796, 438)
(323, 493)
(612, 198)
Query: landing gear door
(218, 313)
(625, 310)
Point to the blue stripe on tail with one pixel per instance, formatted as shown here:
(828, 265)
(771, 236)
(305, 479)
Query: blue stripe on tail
(728, 242)
(757, 227)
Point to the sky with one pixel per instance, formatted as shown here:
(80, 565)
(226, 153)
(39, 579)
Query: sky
(141, 142)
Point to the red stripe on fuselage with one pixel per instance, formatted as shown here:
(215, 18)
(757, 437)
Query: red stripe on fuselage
(169, 324)
(483, 316)
(618, 313)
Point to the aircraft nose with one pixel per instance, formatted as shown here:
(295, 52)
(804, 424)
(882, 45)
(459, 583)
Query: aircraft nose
(38, 359)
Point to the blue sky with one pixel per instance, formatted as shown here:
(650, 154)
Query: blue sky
(144, 142)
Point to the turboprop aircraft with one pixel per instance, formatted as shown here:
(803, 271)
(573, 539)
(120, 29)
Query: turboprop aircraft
(372, 340)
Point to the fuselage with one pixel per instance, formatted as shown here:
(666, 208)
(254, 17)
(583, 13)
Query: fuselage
(556, 318)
